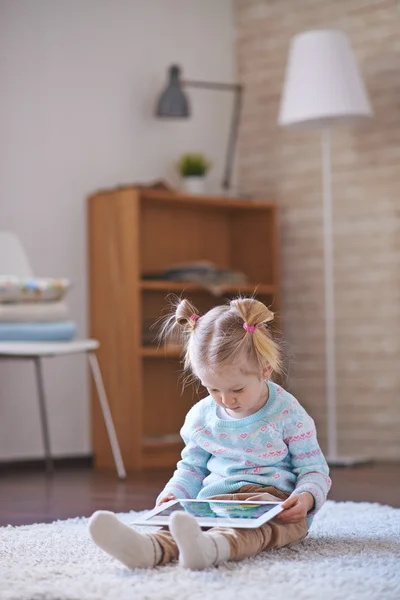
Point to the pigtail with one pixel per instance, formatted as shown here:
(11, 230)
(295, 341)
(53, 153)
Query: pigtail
(255, 316)
(186, 314)
(179, 325)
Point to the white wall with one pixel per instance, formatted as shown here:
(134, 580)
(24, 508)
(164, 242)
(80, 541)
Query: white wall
(78, 85)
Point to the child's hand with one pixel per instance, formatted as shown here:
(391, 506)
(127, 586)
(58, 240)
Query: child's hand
(166, 498)
(296, 508)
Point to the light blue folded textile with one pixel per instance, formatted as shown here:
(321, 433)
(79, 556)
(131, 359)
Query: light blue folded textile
(56, 331)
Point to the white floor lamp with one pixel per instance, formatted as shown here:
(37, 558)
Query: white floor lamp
(323, 89)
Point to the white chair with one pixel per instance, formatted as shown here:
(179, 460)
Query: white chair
(13, 261)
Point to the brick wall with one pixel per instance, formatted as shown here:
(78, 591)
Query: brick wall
(285, 165)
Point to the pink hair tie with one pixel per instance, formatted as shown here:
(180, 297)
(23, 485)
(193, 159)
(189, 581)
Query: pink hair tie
(194, 317)
(250, 328)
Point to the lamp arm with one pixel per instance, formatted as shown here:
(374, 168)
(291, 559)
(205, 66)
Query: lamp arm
(238, 90)
(212, 85)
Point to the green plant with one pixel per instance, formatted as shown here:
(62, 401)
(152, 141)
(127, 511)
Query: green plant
(193, 165)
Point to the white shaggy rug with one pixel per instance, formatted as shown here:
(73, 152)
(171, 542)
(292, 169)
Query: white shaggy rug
(351, 553)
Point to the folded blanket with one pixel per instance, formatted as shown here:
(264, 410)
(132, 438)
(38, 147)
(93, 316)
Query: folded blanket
(37, 332)
(32, 289)
(39, 312)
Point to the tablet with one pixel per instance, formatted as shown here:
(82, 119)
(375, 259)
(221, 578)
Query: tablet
(245, 514)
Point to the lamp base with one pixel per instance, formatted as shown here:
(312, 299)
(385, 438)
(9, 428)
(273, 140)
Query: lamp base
(348, 461)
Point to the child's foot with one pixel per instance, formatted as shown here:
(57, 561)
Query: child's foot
(197, 550)
(135, 550)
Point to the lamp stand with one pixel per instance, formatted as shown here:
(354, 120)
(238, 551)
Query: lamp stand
(332, 457)
(233, 132)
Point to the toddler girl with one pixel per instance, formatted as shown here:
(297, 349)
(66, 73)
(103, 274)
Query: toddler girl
(249, 439)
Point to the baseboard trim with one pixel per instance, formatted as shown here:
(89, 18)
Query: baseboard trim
(39, 464)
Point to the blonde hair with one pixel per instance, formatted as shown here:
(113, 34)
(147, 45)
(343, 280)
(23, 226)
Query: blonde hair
(223, 334)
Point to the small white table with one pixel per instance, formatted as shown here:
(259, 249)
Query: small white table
(36, 351)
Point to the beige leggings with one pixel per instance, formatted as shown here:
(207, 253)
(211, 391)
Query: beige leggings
(245, 542)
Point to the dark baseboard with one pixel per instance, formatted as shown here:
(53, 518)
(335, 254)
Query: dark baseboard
(39, 464)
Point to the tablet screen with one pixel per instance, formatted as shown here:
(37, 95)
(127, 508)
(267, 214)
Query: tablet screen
(219, 509)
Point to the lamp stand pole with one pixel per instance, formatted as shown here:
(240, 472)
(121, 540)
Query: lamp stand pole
(330, 352)
(332, 458)
(233, 134)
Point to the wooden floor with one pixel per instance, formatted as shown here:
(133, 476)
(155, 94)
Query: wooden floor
(32, 497)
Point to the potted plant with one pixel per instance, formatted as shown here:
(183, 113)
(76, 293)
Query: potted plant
(193, 169)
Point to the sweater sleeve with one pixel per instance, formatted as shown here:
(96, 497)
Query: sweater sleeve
(187, 479)
(308, 462)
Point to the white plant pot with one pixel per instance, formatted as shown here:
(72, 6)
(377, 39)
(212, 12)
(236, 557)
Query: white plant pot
(193, 185)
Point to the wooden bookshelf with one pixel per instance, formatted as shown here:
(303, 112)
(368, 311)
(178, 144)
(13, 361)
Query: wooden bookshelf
(133, 233)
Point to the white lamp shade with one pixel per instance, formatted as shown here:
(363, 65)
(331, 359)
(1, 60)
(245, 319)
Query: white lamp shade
(323, 86)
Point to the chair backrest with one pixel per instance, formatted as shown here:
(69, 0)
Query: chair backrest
(13, 260)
